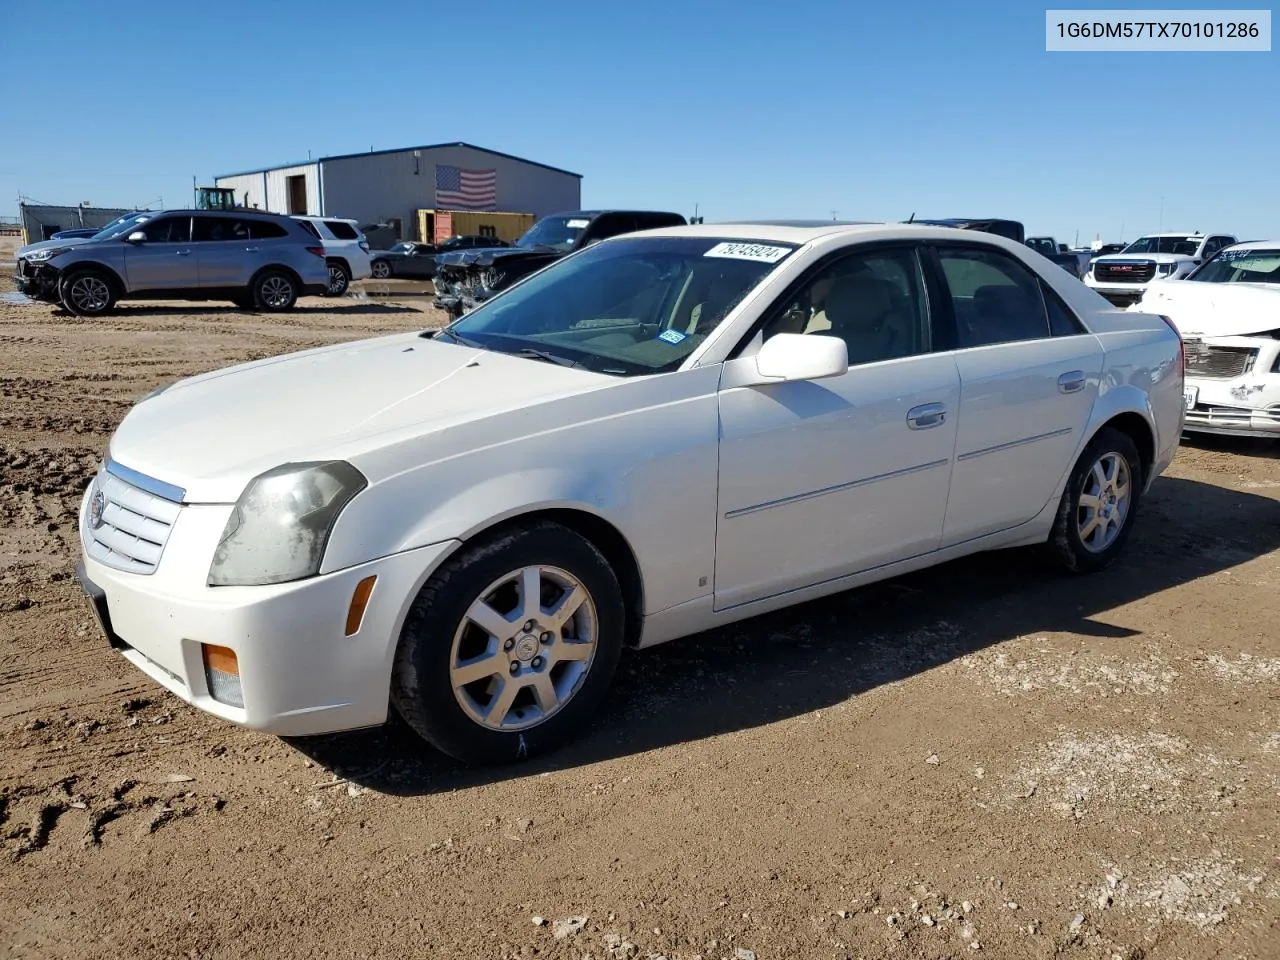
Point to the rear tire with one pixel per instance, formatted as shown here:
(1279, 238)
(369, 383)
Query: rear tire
(339, 279)
(1099, 505)
(506, 690)
(87, 292)
(274, 291)
(380, 270)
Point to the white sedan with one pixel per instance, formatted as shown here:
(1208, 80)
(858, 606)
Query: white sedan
(1228, 312)
(662, 433)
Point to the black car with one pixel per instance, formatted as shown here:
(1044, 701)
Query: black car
(466, 278)
(414, 260)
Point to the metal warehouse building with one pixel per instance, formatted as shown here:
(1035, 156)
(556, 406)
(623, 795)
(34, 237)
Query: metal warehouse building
(388, 186)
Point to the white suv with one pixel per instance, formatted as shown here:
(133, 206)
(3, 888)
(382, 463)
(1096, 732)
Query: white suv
(345, 247)
(1123, 277)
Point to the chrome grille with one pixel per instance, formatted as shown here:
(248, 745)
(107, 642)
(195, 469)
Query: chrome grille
(1218, 363)
(134, 525)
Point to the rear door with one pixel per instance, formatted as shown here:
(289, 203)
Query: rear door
(1029, 376)
(222, 244)
(165, 259)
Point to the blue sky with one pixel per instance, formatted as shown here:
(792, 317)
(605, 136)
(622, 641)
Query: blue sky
(747, 109)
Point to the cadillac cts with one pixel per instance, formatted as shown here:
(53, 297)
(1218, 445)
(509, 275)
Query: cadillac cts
(663, 432)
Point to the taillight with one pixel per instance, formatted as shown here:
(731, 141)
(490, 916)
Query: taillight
(318, 251)
(1182, 347)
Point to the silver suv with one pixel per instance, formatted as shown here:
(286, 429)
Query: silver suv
(256, 260)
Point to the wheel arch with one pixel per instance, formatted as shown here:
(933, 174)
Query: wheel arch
(600, 533)
(341, 260)
(281, 267)
(114, 278)
(1139, 430)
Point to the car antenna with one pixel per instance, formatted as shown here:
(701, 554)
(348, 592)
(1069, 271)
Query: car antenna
(912, 218)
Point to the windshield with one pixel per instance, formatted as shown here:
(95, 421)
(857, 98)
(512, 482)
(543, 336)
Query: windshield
(1040, 245)
(1241, 266)
(1182, 246)
(402, 248)
(559, 232)
(117, 227)
(626, 307)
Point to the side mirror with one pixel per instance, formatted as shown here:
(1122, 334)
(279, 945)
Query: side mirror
(799, 356)
(136, 237)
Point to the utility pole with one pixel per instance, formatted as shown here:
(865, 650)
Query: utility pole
(833, 215)
(1161, 228)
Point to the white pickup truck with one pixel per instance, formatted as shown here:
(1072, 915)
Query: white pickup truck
(1123, 277)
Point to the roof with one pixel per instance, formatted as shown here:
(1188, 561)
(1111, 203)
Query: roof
(1255, 245)
(806, 231)
(380, 153)
(1175, 233)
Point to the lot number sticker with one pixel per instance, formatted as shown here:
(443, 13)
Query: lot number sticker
(748, 251)
(672, 336)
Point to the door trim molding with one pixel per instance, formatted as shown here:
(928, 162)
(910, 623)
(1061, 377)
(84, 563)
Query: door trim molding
(798, 497)
(1014, 443)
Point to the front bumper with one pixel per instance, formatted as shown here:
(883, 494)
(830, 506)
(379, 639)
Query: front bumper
(1245, 406)
(299, 672)
(39, 281)
(1120, 294)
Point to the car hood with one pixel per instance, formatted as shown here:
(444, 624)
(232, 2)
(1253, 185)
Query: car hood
(1215, 309)
(484, 256)
(1143, 258)
(47, 244)
(213, 433)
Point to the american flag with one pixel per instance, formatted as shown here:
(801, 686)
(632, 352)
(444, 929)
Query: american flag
(460, 189)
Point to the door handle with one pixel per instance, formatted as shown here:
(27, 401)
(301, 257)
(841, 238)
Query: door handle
(1071, 381)
(252, 249)
(183, 253)
(926, 415)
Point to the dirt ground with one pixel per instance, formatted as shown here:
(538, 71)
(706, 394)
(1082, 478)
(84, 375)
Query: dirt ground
(984, 758)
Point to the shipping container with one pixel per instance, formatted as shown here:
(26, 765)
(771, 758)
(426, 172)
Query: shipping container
(437, 226)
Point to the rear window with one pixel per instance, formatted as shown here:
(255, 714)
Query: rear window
(343, 231)
(266, 230)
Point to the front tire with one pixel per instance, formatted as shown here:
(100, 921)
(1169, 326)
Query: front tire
(274, 291)
(1098, 507)
(87, 293)
(510, 646)
(339, 279)
(380, 270)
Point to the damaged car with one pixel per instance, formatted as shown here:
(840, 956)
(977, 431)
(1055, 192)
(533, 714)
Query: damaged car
(466, 278)
(1228, 313)
(1124, 277)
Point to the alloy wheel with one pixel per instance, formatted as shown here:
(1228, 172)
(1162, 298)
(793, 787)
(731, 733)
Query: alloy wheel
(276, 292)
(90, 294)
(523, 648)
(1104, 502)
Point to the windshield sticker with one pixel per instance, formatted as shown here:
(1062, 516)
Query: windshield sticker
(577, 224)
(672, 336)
(748, 251)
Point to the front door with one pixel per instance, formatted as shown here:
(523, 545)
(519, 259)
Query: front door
(1029, 375)
(165, 260)
(825, 478)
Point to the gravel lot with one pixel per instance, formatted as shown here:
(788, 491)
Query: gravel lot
(984, 758)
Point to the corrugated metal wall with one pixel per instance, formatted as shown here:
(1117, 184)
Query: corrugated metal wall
(39, 220)
(250, 189)
(270, 190)
(378, 187)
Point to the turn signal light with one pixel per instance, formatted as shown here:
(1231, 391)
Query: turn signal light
(222, 674)
(359, 601)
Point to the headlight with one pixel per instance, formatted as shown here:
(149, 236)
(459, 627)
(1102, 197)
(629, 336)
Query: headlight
(1167, 269)
(281, 523)
(491, 279)
(48, 253)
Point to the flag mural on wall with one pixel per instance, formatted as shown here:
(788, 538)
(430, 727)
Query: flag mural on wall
(461, 189)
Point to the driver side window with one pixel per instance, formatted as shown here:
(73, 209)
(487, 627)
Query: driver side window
(873, 301)
(168, 230)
